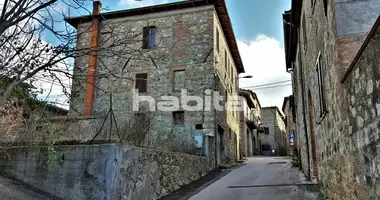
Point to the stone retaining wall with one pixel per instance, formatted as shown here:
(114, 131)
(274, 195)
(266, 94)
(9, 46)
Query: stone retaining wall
(102, 171)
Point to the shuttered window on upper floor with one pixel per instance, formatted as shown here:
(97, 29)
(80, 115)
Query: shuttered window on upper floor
(321, 88)
(141, 82)
(149, 37)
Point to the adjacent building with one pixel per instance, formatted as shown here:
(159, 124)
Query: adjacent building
(250, 124)
(273, 140)
(180, 49)
(332, 49)
(288, 109)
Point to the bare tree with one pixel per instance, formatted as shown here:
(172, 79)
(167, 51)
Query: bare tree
(27, 56)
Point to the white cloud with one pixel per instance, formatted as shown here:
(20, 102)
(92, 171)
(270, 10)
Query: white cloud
(264, 59)
(141, 3)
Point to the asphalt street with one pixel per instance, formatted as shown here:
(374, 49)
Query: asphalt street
(261, 178)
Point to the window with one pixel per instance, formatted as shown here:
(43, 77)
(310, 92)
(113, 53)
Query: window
(179, 80)
(266, 130)
(179, 118)
(304, 33)
(140, 117)
(225, 60)
(149, 37)
(225, 65)
(325, 2)
(141, 82)
(322, 100)
(312, 3)
(232, 74)
(217, 39)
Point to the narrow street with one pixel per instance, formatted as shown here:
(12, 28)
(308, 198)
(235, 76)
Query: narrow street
(261, 178)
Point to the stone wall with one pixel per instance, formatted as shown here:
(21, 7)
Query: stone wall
(354, 18)
(102, 171)
(323, 141)
(290, 124)
(363, 89)
(326, 154)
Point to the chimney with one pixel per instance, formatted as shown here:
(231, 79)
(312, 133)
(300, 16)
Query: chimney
(92, 59)
(97, 7)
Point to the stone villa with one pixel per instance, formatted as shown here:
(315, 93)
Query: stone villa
(160, 50)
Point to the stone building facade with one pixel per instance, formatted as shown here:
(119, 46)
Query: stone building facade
(273, 140)
(288, 109)
(174, 50)
(250, 120)
(335, 119)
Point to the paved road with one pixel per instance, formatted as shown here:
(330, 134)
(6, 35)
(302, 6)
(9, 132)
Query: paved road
(258, 171)
(13, 190)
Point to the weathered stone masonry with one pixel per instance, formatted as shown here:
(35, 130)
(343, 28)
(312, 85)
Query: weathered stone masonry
(363, 110)
(335, 31)
(185, 41)
(106, 172)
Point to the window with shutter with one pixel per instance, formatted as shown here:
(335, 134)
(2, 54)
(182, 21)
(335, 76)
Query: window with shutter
(179, 80)
(217, 39)
(322, 99)
(149, 37)
(141, 82)
(178, 118)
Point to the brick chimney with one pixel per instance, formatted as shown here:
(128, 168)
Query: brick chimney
(93, 59)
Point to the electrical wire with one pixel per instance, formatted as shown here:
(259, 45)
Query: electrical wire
(266, 84)
(278, 86)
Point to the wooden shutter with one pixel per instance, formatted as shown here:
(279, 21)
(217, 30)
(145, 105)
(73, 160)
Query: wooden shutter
(217, 39)
(179, 118)
(141, 82)
(145, 37)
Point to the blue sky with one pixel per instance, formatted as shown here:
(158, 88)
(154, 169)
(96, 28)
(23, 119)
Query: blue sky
(253, 17)
(259, 31)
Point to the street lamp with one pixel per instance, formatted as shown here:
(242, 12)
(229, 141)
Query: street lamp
(248, 76)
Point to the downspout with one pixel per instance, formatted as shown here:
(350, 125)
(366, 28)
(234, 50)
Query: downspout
(93, 59)
(215, 126)
(303, 105)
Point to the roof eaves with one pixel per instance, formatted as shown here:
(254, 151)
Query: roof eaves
(220, 7)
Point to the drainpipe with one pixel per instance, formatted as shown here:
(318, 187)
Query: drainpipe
(93, 59)
(303, 106)
(215, 126)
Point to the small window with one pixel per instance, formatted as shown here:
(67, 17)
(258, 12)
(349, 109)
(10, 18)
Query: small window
(322, 100)
(149, 37)
(217, 39)
(325, 2)
(179, 80)
(232, 74)
(225, 60)
(233, 110)
(304, 33)
(140, 117)
(266, 130)
(141, 82)
(179, 118)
